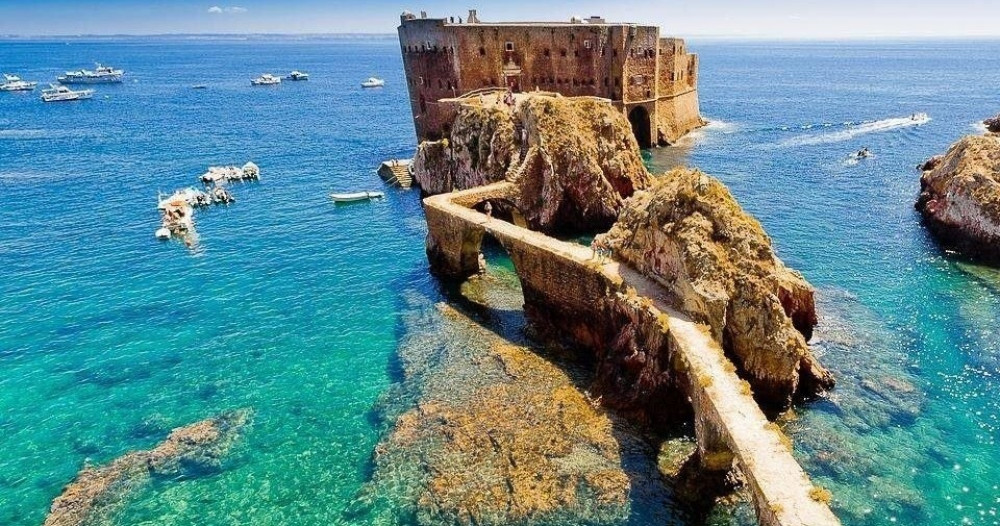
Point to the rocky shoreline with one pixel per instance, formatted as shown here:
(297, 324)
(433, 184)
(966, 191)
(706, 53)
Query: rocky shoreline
(960, 197)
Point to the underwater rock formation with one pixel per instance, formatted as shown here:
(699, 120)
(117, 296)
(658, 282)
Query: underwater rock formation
(689, 234)
(960, 198)
(574, 160)
(97, 491)
(497, 434)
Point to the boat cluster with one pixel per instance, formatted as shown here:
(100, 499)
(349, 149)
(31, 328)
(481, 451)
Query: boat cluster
(268, 79)
(59, 92)
(177, 209)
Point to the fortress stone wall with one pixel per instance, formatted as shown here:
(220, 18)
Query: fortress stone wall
(653, 80)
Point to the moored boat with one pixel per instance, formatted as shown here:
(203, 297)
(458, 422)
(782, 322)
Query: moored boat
(14, 83)
(102, 75)
(373, 82)
(356, 196)
(266, 79)
(63, 94)
(298, 76)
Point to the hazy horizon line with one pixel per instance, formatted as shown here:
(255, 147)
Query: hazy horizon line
(392, 35)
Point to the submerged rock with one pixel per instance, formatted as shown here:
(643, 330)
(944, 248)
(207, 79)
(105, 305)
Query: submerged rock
(689, 234)
(97, 491)
(960, 198)
(574, 160)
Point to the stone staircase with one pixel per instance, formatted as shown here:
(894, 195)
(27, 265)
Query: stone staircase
(396, 172)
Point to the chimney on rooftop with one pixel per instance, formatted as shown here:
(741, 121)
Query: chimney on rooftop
(423, 14)
(473, 17)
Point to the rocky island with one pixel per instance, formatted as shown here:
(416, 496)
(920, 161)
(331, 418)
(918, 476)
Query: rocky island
(960, 197)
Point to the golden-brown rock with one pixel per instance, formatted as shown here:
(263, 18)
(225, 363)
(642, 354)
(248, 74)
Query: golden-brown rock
(96, 491)
(574, 160)
(689, 233)
(960, 198)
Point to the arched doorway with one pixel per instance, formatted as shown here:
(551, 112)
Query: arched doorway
(639, 119)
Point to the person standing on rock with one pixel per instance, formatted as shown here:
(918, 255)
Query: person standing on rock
(488, 208)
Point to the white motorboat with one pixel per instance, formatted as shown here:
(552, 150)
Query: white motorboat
(357, 196)
(63, 94)
(162, 233)
(373, 82)
(920, 117)
(266, 79)
(102, 75)
(298, 75)
(14, 83)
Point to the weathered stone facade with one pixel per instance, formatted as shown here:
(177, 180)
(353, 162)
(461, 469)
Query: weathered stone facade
(653, 80)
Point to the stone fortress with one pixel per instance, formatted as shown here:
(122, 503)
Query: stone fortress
(653, 80)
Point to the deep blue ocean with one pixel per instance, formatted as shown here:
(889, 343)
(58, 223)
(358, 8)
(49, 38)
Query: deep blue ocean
(291, 306)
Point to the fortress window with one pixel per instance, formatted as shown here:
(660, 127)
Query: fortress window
(546, 52)
(586, 44)
(614, 53)
(482, 52)
(509, 46)
(618, 82)
(606, 82)
(576, 52)
(562, 52)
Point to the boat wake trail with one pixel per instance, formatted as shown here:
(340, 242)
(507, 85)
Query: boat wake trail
(856, 130)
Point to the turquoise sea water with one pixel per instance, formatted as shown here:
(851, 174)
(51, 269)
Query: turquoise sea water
(291, 306)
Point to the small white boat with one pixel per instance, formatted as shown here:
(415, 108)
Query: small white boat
(920, 117)
(298, 75)
(162, 233)
(357, 196)
(64, 94)
(199, 86)
(266, 79)
(14, 83)
(373, 82)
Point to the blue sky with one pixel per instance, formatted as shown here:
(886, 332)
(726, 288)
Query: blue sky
(691, 18)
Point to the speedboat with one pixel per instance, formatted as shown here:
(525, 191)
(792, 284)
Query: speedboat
(63, 94)
(373, 82)
(199, 86)
(298, 75)
(863, 153)
(920, 117)
(358, 196)
(102, 75)
(266, 79)
(14, 83)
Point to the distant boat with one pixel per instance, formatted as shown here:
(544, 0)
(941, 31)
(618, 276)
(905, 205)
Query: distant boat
(14, 83)
(199, 86)
(103, 75)
(358, 196)
(298, 75)
(266, 79)
(63, 94)
(373, 82)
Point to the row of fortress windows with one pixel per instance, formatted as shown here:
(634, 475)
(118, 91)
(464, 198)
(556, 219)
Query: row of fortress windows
(509, 47)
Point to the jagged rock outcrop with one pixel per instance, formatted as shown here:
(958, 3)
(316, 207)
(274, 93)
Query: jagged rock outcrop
(574, 160)
(96, 491)
(689, 233)
(960, 198)
(993, 124)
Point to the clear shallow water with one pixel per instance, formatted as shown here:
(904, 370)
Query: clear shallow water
(290, 305)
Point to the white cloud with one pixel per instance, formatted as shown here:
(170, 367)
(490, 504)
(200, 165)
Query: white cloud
(233, 10)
